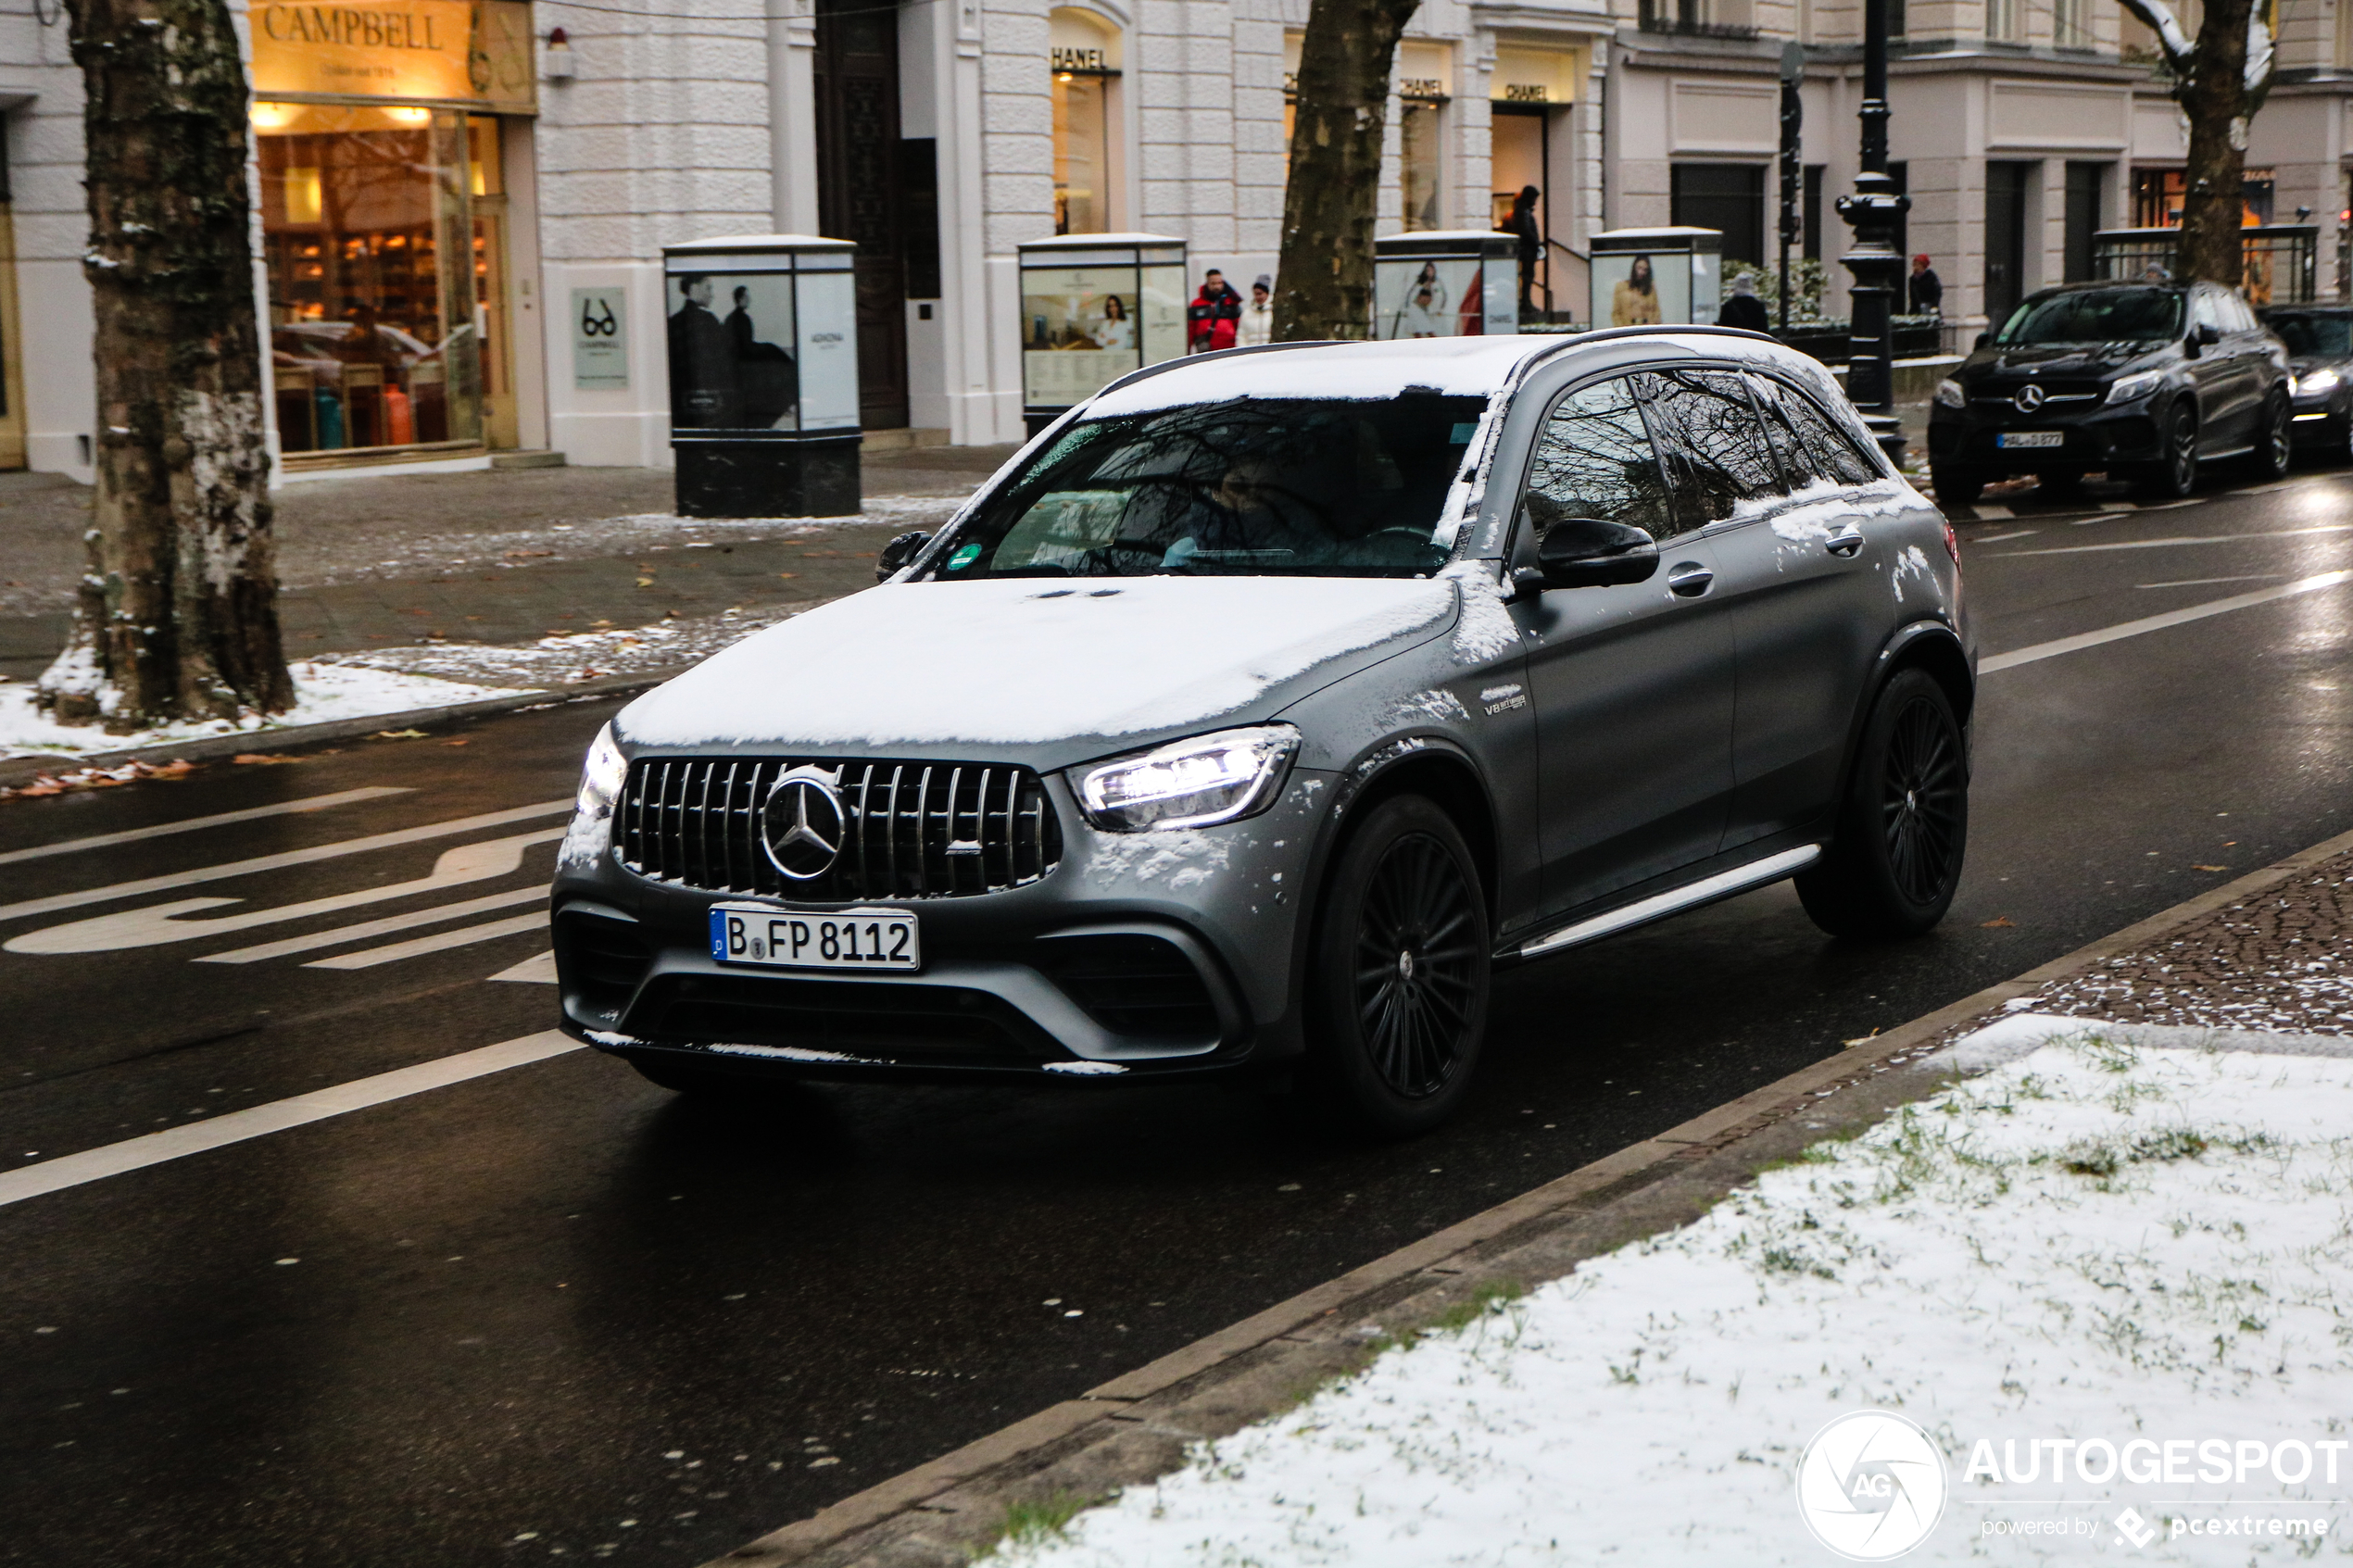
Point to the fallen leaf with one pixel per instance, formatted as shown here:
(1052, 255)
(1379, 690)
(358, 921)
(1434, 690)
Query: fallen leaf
(2210, 868)
(457, 743)
(261, 759)
(1995, 922)
(788, 574)
(526, 554)
(645, 581)
(397, 735)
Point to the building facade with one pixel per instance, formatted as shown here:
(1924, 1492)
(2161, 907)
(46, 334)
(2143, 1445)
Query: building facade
(462, 203)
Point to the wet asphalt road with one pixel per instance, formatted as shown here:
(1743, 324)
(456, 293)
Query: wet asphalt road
(555, 1312)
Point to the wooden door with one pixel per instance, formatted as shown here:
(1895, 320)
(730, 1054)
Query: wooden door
(858, 189)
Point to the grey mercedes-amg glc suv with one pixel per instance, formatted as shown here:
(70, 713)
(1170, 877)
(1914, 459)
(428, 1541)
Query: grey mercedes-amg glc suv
(1262, 707)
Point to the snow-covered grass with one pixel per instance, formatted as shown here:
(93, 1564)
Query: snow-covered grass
(2089, 1241)
(324, 692)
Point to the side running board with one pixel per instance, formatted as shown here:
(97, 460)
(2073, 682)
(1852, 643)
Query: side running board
(1739, 879)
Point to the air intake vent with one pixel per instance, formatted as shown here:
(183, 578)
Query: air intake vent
(910, 830)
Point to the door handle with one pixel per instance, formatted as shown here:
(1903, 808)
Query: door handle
(1845, 541)
(1689, 581)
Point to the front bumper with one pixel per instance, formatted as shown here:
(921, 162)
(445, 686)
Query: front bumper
(2091, 436)
(2315, 419)
(1153, 954)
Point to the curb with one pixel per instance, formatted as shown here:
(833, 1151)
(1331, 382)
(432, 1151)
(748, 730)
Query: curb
(1137, 1426)
(22, 770)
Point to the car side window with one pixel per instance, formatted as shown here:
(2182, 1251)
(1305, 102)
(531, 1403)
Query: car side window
(1812, 447)
(1713, 443)
(1593, 459)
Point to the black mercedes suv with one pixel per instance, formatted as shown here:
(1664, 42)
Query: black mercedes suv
(2143, 381)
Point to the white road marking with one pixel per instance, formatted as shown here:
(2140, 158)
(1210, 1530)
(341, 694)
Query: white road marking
(2215, 581)
(217, 1132)
(2119, 506)
(1997, 538)
(277, 862)
(2170, 544)
(2160, 622)
(160, 923)
(1990, 513)
(384, 927)
(439, 942)
(540, 970)
(223, 819)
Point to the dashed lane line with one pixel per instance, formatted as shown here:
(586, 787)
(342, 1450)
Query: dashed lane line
(279, 861)
(237, 1126)
(221, 818)
(439, 942)
(2182, 617)
(2170, 544)
(385, 927)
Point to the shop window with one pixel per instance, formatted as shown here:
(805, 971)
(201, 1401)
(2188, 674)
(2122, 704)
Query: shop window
(1084, 61)
(2158, 194)
(374, 267)
(1423, 77)
(1725, 197)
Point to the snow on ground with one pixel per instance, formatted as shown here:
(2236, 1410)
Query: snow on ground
(2090, 1241)
(575, 657)
(324, 692)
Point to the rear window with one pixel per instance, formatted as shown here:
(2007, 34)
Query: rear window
(1253, 487)
(2133, 315)
(2314, 336)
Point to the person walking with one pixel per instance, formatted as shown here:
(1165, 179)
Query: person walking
(1744, 308)
(1258, 316)
(1215, 315)
(1928, 289)
(1522, 225)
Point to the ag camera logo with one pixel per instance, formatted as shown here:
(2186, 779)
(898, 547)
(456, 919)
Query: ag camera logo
(1871, 1486)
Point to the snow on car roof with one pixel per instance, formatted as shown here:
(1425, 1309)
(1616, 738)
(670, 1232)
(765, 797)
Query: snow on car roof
(1456, 366)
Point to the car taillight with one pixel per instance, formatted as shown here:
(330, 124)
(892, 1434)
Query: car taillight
(1952, 545)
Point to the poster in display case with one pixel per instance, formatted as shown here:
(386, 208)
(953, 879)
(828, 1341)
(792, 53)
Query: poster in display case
(1667, 276)
(1446, 283)
(1094, 307)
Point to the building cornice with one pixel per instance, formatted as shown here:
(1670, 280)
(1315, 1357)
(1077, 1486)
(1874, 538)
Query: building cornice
(1516, 16)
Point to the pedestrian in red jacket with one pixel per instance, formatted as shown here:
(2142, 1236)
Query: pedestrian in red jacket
(1215, 315)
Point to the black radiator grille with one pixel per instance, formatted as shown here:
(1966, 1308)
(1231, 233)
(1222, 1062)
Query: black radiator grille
(912, 830)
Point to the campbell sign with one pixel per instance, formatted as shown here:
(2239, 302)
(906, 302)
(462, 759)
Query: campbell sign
(428, 51)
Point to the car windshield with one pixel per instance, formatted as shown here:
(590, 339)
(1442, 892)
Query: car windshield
(2314, 337)
(1257, 486)
(2095, 315)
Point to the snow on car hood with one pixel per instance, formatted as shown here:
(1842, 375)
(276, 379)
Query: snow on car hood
(1029, 660)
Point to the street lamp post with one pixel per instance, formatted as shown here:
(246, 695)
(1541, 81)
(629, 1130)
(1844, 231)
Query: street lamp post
(1872, 210)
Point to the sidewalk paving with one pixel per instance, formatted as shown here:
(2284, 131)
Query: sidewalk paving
(500, 557)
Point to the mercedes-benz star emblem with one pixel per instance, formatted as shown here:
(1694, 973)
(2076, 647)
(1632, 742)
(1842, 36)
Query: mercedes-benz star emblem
(802, 825)
(2028, 398)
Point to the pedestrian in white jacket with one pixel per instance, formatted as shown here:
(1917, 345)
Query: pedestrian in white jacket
(1258, 316)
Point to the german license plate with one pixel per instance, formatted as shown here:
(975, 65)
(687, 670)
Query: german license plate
(2034, 438)
(866, 939)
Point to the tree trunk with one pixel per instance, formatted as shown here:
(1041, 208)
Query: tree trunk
(1324, 286)
(177, 616)
(2213, 94)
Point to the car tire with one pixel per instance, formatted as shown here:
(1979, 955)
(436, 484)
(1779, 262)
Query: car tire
(2273, 437)
(1956, 487)
(2174, 475)
(1902, 831)
(1400, 981)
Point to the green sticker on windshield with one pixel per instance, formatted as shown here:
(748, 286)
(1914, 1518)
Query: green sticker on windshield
(965, 555)
(1461, 435)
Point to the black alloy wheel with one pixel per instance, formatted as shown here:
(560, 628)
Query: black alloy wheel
(2272, 449)
(1903, 830)
(2174, 475)
(1401, 960)
(1956, 487)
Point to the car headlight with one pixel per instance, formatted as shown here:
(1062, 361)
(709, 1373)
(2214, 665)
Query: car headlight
(600, 780)
(1191, 784)
(2131, 387)
(2314, 381)
(1951, 393)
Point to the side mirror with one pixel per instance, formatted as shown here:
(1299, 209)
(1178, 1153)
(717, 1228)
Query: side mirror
(899, 552)
(1586, 552)
(2207, 336)
(1984, 338)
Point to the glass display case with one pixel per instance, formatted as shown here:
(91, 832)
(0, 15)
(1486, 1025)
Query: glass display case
(1445, 282)
(762, 338)
(1093, 307)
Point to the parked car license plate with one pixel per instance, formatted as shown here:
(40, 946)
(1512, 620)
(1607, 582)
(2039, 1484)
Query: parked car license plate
(871, 939)
(2034, 438)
